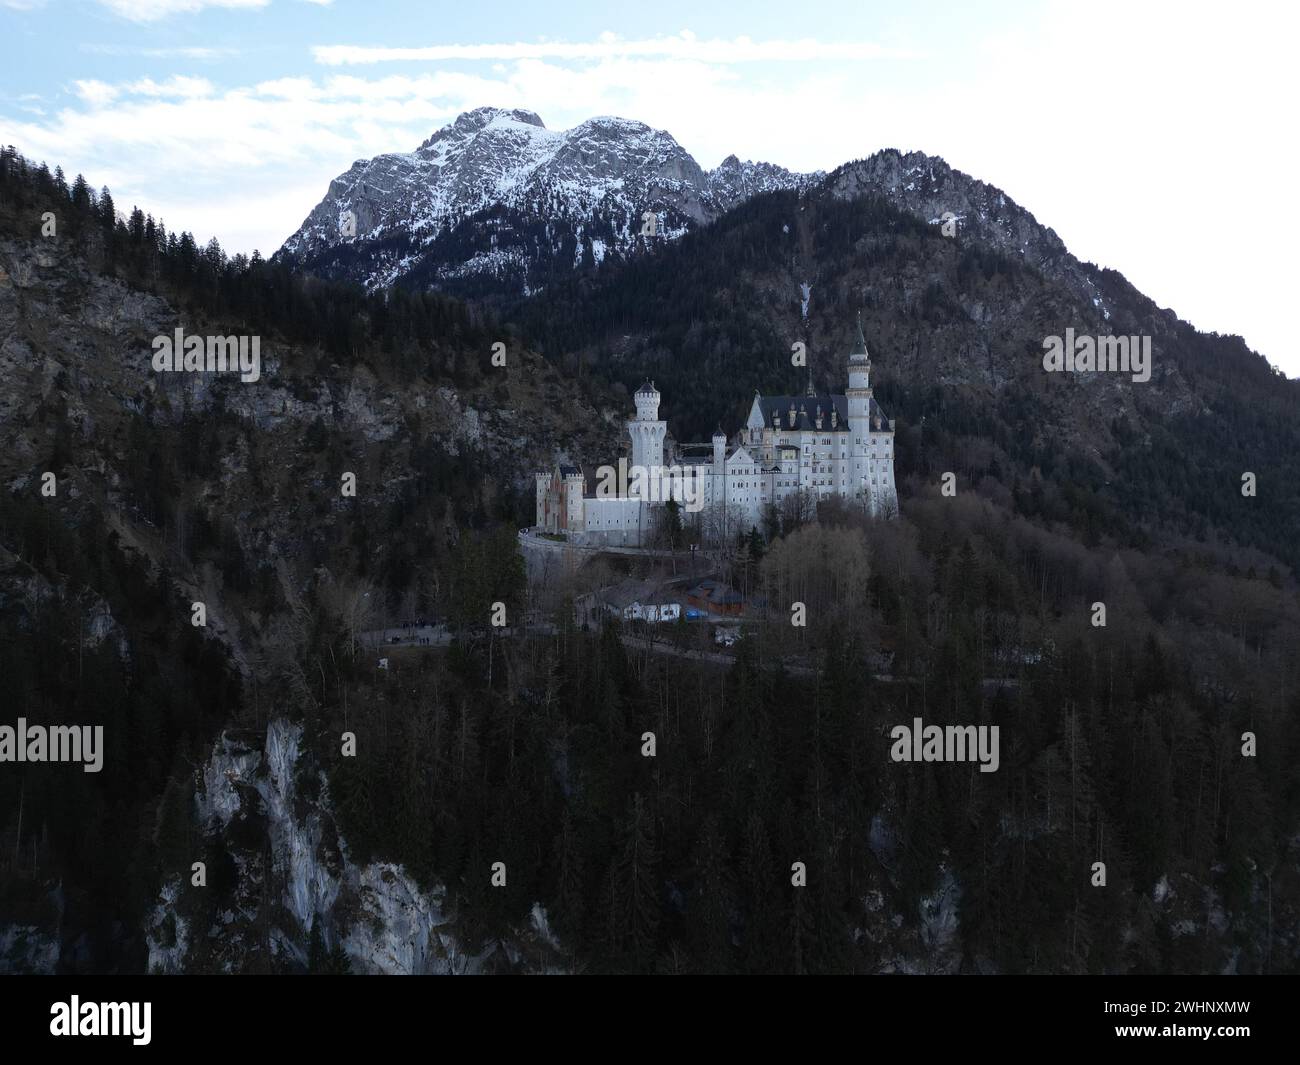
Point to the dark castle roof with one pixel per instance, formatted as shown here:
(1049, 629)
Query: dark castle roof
(860, 344)
(807, 420)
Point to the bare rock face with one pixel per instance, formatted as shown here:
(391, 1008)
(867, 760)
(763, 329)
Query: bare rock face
(296, 874)
(497, 204)
(732, 182)
(536, 197)
(927, 187)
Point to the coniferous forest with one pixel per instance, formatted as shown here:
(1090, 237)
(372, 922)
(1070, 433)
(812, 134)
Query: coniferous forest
(1121, 744)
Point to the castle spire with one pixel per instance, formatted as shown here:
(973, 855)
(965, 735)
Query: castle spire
(859, 351)
(859, 374)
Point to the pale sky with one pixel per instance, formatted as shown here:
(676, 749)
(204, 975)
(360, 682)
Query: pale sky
(1158, 139)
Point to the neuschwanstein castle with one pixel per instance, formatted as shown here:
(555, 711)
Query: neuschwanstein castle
(793, 449)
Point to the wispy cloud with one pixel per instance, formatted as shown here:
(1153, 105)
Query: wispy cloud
(153, 10)
(611, 46)
(94, 92)
(177, 52)
(101, 94)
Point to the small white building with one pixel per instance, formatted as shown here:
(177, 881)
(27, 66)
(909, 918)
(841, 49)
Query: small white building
(636, 600)
(655, 612)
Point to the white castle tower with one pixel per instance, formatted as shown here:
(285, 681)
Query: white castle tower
(859, 390)
(647, 433)
(793, 451)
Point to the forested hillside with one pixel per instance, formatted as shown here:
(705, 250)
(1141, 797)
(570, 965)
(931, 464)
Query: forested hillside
(955, 329)
(221, 492)
(1121, 744)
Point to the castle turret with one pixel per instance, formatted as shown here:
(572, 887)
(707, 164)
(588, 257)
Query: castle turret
(543, 486)
(574, 485)
(719, 451)
(647, 402)
(647, 433)
(859, 390)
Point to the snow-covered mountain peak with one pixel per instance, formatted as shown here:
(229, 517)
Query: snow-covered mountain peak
(393, 217)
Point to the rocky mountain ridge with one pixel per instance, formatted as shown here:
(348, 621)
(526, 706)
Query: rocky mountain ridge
(463, 204)
(462, 211)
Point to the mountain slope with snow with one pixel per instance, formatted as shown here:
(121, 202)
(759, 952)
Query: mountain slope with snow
(497, 204)
(496, 201)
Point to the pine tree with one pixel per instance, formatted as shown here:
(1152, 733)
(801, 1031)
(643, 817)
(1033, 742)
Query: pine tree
(672, 525)
(107, 210)
(172, 834)
(633, 915)
(712, 901)
(570, 908)
(762, 906)
(82, 200)
(317, 955)
(801, 931)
